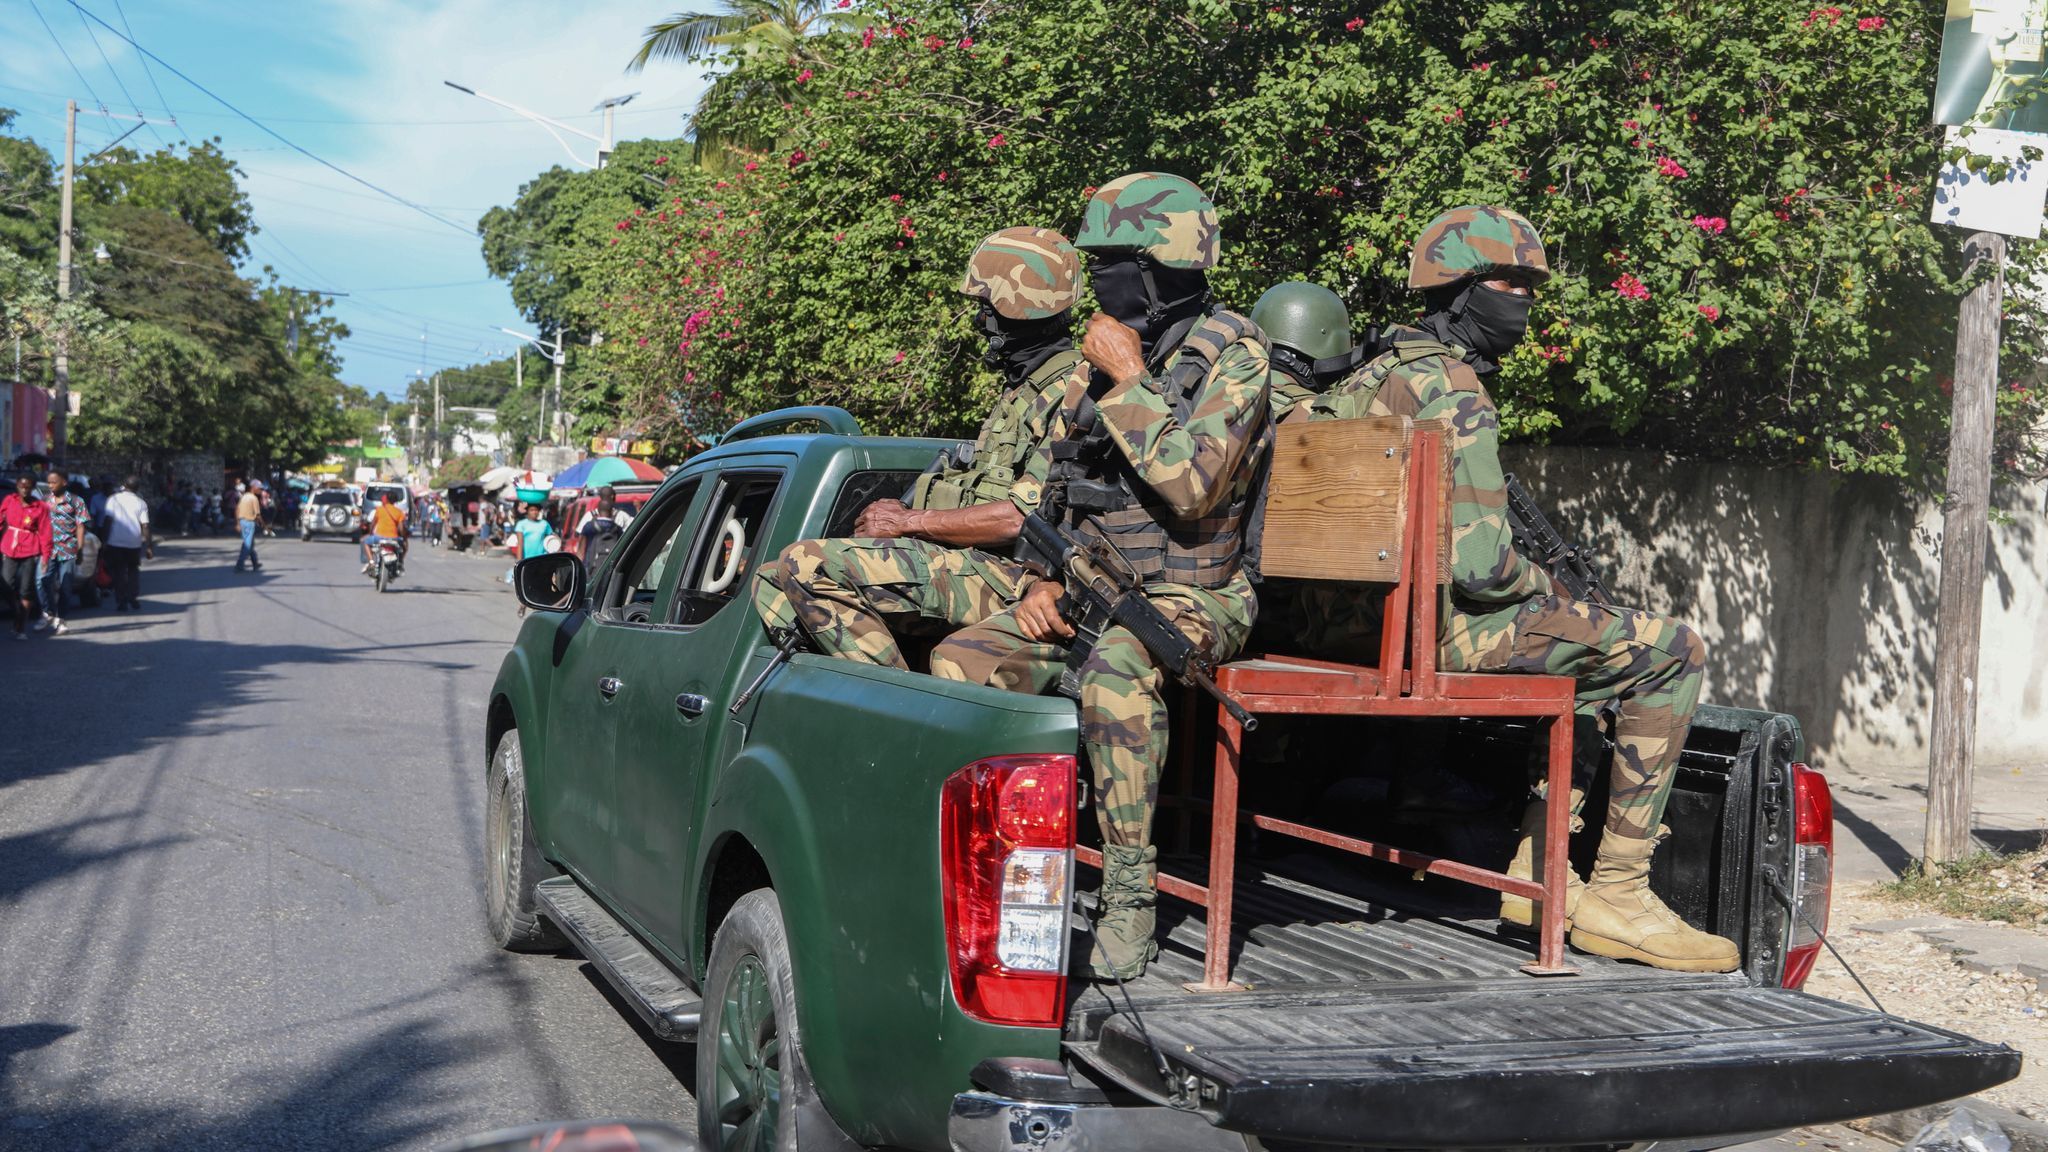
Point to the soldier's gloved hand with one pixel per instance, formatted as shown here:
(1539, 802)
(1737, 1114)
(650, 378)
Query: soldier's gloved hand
(1038, 613)
(885, 520)
(1113, 348)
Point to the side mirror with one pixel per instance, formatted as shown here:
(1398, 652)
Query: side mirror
(549, 582)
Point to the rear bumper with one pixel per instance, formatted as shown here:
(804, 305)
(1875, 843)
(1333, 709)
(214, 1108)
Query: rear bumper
(985, 1122)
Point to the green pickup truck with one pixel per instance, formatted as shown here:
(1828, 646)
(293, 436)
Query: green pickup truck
(854, 889)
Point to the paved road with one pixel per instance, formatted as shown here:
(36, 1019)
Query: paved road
(240, 905)
(239, 894)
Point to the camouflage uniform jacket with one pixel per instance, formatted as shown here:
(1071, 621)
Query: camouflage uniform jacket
(1018, 426)
(1488, 576)
(1194, 467)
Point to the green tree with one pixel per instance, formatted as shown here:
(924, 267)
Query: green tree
(1734, 196)
(728, 120)
(199, 186)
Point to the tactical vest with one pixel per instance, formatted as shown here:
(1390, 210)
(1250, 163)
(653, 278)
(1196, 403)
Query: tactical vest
(983, 472)
(1352, 398)
(1112, 504)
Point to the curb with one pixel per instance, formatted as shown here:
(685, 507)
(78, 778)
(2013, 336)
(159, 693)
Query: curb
(1900, 1127)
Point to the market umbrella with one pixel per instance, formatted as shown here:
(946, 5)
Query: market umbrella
(499, 477)
(598, 471)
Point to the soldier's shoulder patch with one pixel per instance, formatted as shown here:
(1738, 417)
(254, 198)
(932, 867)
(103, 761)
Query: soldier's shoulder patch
(1461, 377)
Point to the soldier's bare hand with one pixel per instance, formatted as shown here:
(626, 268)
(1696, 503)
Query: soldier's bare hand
(1113, 347)
(884, 520)
(1038, 613)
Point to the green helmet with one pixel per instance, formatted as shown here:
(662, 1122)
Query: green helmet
(1308, 318)
(1025, 273)
(1163, 216)
(1476, 241)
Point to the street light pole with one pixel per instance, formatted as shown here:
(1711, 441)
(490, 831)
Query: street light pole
(604, 142)
(61, 401)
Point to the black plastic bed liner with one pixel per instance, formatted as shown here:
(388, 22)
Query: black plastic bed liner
(1527, 1061)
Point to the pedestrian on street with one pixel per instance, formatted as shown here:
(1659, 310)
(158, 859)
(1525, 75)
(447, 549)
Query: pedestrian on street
(24, 541)
(249, 519)
(70, 524)
(128, 541)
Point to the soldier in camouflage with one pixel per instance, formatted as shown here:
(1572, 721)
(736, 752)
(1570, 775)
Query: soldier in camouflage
(1479, 268)
(1164, 432)
(1309, 331)
(942, 559)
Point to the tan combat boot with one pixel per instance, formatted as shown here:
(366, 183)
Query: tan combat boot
(1520, 911)
(1619, 916)
(1125, 918)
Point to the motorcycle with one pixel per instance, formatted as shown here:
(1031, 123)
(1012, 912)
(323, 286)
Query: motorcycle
(387, 562)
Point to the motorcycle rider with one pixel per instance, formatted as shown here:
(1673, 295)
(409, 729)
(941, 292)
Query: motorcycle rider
(387, 525)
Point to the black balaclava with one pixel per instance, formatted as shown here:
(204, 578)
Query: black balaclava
(1317, 375)
(1016, 348)
(1486, 322)
(1150, 298)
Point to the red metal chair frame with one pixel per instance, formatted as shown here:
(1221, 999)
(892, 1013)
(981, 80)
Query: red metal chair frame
(1287, 685)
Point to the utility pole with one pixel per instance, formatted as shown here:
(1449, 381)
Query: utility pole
(60, 403)
(559, 433)
(1965, 536)
(437, 421)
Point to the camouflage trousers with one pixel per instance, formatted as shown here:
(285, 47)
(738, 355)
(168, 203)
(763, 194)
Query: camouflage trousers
(1123, 691)
(852, 596)
(1640, 670)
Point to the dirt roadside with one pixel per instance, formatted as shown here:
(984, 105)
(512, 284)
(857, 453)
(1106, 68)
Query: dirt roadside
(1926, 981)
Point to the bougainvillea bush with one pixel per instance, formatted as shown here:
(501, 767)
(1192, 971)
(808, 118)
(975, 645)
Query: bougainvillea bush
(1735, 197)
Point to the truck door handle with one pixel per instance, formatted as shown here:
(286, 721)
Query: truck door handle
(692, 705)
(608, 686)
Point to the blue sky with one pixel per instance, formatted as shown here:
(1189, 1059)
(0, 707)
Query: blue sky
(358, 84)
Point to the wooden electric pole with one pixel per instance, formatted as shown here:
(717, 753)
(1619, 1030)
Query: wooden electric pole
(1965, 537)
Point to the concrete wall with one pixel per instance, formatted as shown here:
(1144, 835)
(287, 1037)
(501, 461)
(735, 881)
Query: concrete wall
(1816, 594)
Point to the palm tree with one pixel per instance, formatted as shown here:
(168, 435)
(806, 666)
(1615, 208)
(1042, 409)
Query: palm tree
(782, 27)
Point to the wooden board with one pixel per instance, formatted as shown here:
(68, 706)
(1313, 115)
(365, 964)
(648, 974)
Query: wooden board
(1336, 500)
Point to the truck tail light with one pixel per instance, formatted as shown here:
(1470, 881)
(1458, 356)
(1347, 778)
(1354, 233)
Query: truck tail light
(1006, 847)
(1813, 865)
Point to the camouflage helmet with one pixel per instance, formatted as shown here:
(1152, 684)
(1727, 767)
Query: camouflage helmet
(1163, 216)
(1025, 273)
(1476, 241)
(1308, 318)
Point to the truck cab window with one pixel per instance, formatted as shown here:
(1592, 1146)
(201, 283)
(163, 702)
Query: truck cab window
(635, 581)
(728, 546)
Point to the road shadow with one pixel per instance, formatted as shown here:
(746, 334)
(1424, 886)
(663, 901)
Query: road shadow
(393, 1089)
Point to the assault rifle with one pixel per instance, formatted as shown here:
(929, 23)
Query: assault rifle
(1570, 566)
(1101, 595)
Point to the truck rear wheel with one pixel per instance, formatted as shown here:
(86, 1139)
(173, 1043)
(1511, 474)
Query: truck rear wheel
(752, 1081)
(512, 857)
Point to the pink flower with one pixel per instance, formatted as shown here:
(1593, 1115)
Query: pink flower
(803, 76)
(933, 43)
(942, 177)
(660, 160)
(1870, 24)
(967, 42)
(997, 141)
(1630, 288)
(1666, 166)
(909, 232)
(1711, 225)
(895, 197)
(1831, 15)
(750, 166)
(1712, 313)
(867, 37)
(797, 157)
(1354, 24)
(845, 4)
(899, 358)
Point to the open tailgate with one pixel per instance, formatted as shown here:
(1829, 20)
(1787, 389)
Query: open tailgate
(1537, 1062)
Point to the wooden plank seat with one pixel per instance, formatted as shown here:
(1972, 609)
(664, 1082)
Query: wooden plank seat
(1334, 484)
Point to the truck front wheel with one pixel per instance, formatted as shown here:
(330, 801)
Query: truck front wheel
(751, 1077)
(512, 856)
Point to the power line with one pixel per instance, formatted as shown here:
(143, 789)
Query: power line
(121, 12)
(273, 133)
(75, 71)
(120, 83)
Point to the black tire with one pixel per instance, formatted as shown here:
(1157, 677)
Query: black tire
(512, 857)
(383, 575)
(749, 961)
